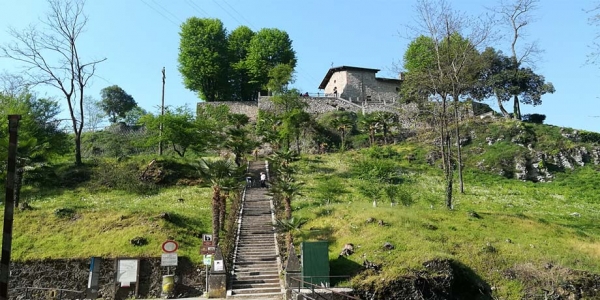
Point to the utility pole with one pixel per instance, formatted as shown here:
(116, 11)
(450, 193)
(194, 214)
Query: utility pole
(162, 114)
(9, 205)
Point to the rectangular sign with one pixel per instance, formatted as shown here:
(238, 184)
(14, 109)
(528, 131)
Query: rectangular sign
(218, 265)
(127, 270)
(207, 250)
(207, 260)
(168, 259)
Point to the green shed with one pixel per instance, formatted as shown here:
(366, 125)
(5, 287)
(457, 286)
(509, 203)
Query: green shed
(315, 262)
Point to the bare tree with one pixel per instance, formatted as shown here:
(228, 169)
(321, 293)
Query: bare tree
(516, 15)
(12, 84)
(50, 56)
(453, 39)
(594, 20)
(93, 113)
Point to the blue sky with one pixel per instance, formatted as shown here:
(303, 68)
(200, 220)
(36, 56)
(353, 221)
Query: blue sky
(139, 37)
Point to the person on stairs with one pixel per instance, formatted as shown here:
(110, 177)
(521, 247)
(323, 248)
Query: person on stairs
(263, 180)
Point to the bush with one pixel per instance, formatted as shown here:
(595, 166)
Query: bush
(590, 137)
(534, 118)
(377, 170)
(121, 177)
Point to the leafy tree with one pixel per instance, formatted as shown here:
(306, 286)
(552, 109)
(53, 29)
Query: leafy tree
(516, 15)
(268, 48)
(181, 129)
(279, 77)
(40, 138)
(203, 58)
(238, 43)
(133, 116)
(287, 189)
(51, 56)
(505, 82)
(116, 103)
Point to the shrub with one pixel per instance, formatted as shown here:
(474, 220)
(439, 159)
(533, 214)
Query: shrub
(589, 137)
(377, 170)
(534, 118)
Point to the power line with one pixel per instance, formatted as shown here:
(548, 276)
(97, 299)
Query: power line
(217, 3)
(196, 8)
(164, 9)
(164, 16)
(237, 12)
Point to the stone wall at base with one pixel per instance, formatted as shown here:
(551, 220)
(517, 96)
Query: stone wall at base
(73, 275)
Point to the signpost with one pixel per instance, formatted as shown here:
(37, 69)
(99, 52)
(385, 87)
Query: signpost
(207, 249)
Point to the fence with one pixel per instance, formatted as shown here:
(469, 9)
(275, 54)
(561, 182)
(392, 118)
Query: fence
(312, 291)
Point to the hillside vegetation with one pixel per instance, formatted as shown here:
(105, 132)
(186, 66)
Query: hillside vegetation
(516, 236)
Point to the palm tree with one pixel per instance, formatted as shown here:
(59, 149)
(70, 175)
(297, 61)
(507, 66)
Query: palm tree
(343, 123)
(369, 123)
(287, 189)
(231, 184)
(218, 173)
(288, 226)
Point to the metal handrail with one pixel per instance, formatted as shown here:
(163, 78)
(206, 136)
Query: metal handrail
(303, 283)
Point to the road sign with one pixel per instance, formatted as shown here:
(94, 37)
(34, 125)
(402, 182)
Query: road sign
(169, 246)
(168, 259)
(207, 238)
(207, 260)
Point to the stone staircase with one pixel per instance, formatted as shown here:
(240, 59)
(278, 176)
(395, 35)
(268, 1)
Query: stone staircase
(256, 263)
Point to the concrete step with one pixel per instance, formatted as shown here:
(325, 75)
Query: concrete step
(256, 291)
(237, 286)
(252, 280)
(257, 296)
(257, 273)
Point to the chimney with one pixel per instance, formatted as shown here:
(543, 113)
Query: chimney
(401, 76)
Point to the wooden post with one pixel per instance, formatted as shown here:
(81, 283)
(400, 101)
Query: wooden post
(9, 206)
(162, 113)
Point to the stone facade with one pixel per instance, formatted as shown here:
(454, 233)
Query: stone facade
(360, 84)
(249, 108)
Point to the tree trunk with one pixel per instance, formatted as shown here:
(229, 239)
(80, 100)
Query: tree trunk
(458, 147)
(78, 160)
(223, 210)
(288, 207)
(298, 143)
(449, 174)
(516, 108)
(501, 107)
(385, 132)
(216, 199)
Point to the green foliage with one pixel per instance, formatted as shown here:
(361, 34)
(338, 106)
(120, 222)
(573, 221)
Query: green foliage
(203, 57)
(534, 118)
(121, 176)
(268, 48)
(238, 43)
(330, 189)
(589, 137)
(181, 130)
(377, 170)
(116, 103)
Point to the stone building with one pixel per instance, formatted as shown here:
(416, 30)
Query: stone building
(360, 85)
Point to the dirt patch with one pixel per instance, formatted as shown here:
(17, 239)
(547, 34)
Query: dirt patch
(73, 275)
(440, 279)
(555, 282)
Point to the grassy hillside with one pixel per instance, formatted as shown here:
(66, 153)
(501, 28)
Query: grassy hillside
(516, 235)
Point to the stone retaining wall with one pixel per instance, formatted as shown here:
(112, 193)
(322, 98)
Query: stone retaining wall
(73, 275)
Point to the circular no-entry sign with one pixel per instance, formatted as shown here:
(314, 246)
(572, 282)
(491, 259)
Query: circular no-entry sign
(170, 246)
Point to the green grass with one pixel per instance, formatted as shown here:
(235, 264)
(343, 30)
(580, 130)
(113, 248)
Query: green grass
(104, 223)
(523, 222)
